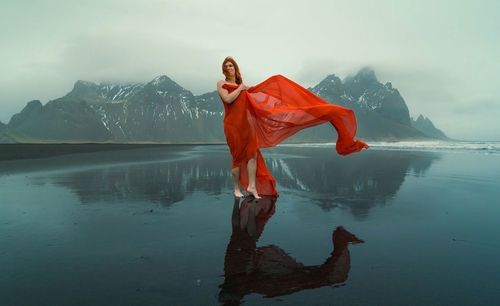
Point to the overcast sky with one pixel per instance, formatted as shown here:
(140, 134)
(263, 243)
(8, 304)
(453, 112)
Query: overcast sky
(443, 56)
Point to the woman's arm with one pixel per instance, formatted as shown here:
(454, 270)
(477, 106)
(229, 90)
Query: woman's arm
(229, 97)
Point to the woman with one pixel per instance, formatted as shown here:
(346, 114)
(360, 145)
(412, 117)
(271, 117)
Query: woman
(266, 114)
(229, 95)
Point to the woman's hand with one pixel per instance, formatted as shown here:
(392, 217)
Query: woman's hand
(230, 97)
(243, 86)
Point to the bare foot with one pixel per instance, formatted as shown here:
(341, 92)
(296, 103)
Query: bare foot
(253, 192)
(238, 194)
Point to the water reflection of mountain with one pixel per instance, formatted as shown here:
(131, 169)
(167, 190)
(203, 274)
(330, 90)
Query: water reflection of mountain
(359, 180)
(165, 182)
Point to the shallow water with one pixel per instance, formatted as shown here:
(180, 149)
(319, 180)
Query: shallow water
(158, 225)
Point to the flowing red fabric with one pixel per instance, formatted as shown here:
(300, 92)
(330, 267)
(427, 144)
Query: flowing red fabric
(268, 113)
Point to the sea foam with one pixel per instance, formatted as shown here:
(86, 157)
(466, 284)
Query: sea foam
(490, 147)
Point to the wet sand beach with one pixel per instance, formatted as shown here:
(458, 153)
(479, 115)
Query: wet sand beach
(149, 224)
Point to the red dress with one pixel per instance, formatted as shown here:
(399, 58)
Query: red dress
(268, 113)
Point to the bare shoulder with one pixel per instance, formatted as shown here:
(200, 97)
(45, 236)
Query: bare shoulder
(221, 89)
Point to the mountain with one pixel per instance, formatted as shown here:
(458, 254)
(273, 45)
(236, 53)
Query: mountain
(426, 126)
(380, 110)
(159, 111)
(5, 135)
(163, 111)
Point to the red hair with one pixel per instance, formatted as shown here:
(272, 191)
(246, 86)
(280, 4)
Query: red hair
(237, 74)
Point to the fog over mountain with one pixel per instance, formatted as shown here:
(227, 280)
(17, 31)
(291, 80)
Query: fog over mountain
(443, 56)
(163, 111)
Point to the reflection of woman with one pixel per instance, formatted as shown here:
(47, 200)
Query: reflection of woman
(266, 114)
(269, 270)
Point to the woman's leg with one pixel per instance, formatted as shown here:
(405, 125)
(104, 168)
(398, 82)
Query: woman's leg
(252, 172)
(236, 180)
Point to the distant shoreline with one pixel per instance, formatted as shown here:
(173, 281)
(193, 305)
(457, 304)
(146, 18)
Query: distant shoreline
(16, 151)
(12, 151)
